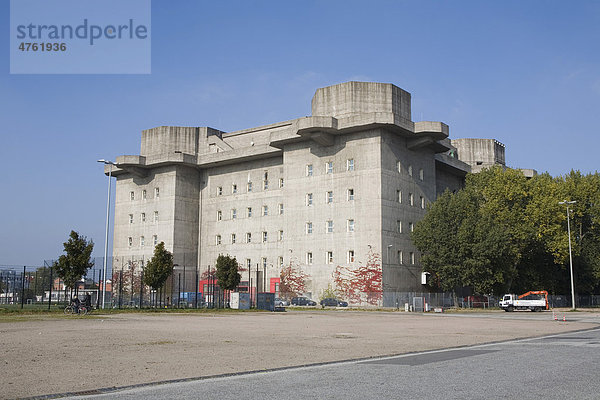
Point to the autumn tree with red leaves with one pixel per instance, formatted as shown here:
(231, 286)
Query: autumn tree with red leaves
(292, 281)
(362, 284)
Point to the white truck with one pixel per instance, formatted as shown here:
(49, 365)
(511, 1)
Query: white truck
(533, 300)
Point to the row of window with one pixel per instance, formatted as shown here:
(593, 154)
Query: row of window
(249, 186)
(411, 199)
(329, 167)
(248, 237)
(329, 259)
(142, 241)
(409, 170)
(411, 226)
(143, 217)
(249, 212)
(145, 194)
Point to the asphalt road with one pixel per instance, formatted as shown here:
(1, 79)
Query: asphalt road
(553, 367)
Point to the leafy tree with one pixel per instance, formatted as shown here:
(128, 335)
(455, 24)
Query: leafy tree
(292, 281)
(227, 272)
(328, 293)
(504, 231)
(462, 246)
(71, 266)
(363, 283)
(159, 268)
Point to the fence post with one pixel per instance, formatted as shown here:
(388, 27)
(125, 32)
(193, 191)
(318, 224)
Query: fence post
(50, 291)
(141, 289)
(120, 287)
(23, 288)
(197, 288)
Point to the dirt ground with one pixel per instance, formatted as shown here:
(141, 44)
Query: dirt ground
(77, 354)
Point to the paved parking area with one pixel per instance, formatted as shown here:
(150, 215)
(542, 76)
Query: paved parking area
(78, 354)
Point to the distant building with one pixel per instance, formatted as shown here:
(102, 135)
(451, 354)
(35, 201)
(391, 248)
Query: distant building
(317, 191)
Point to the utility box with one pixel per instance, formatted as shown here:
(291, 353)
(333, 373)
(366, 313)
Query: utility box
(240, 301)
(265, 301)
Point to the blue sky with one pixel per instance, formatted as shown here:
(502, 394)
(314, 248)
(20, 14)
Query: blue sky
(524, 73)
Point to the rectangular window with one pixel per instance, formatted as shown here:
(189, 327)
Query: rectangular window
(219, 215)
(329, 198)
(309, 258)
(399, 166)
(400, 257)
(281, 183)
(219, 190)
(329, 258)
(264, 262)
(265, 211)
(411, 199)
(329, 167)
(329, 226)
(399, 196)
(264, 237)
(233, 238)
(422, 199)
(233, 214)
(143, 217)
(234, 188)
(410, 170)
(350, 256)
(265, 184)
(280, 263)
(309, 170)
(412, 257)
(280, 209)
(399, 226)
(411, 227)
(249, 187)
(350, 194)
(421, 174)
(142, 241)
(350, 225)
(218, 240)
(132, 196)
(249, 212)
(130, 241)
(309, 199)
(280, 236)
(248, 237)
(309, 228)
(156, 193)
(248, 263)
(155, 240)
(350, 164)
(130, 219)
(155, 216)
(144, 194)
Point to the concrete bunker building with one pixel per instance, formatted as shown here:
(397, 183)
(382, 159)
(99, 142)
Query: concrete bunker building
(318, 191)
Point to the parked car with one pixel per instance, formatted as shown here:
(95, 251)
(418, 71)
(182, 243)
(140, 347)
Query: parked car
(302, 301)
(331, 302)
(476, 301)
(281, 302)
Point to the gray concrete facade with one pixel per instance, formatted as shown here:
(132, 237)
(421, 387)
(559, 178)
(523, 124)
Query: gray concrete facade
(318, 191)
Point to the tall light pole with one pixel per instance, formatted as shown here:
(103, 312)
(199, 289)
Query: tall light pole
(110, 164)
(567, 203)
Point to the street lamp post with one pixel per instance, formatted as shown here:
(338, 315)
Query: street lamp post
(567, 203)
(110, 164)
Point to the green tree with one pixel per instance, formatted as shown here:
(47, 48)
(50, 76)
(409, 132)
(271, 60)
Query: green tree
(463, 246)
(159, 268)
(71, 266)
(505, 231)
(227, 272)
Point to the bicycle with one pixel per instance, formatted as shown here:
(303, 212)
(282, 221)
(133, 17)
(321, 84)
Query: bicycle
(72, 309)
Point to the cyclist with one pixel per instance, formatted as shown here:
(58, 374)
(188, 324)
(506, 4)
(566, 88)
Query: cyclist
(75, 304)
